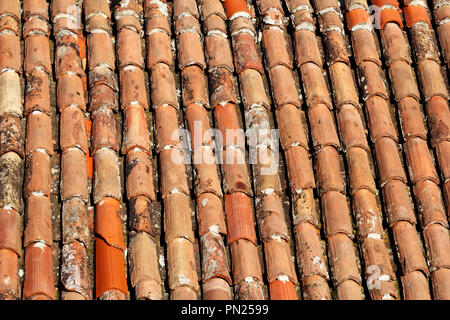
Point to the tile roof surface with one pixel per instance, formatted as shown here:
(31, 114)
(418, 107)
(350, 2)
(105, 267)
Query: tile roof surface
(313, 160)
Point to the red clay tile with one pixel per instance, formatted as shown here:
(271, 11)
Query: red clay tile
(415, 286)
(367, 215)
(252, 88)
(344, 266)
(148, 290)
(166, 127)
(187, 23)
(39, 133)
(412, 122)
(214, 23)
(67, 60)
(364, 47)
(245, 263)
(75, 222)
(193, 86)
(104, 130)
(379, 120)
(316, 288)
(443, 156)
(106, 175)
(143, 260)
(102, 75)
(38, 220)
(10, 24)
(74, 271)
(37, 175)
(109, 269)
(214, 258)
(177, 218)
(108, 224)
(245, 53)
(336, 51)
(158, 48)
(403, 82)
(351, 129)
(129, 51)
(181, 263)
(323, 130)
(38, 271)
(278, 260)
(10, 93)
(10, 237)
(172, 172)
(398, 203)
(235, 172)
(73, 129)
(432, 82)
(198, 122)
(207, 177)
(190, 50)
(139, 175)
(283, 86)
(135, 133)
(210, 214)
(419, 159)
(271, 218)
(438, 245)
(163, 86)
(70, 92)
(306, 49)
(431, 209)
(305, 209)
(73, 184)
(9, 49)
(216, 289)
(239, 211)
(183, 293)
(11, 166)
(282, 290)
(360, 173)
(441, 284)
(438, 119)
(92, 7)
(328, 170)
(299, 169)
(388, 159)
(375, 254)
(343, 85)
(315, 87)
(37, 92)
(349, 290)
(221, 88)
(103, 96)
(218, 52)
(370, 81)
(98, 22)
(37, 53)
(336, 214)
(9, 279)
(128, 22)
(101, 50)
(275, 49)
(140, 216)
(290, 126)
(35, 8)
(310, 255)
(409, 248)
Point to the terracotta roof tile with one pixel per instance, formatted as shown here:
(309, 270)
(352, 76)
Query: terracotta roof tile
(174, 175)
